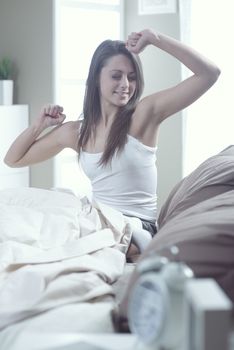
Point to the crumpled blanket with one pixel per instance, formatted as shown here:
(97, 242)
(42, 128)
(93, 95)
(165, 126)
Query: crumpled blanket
(57, 253)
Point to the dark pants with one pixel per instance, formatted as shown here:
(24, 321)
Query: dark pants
(149, 226)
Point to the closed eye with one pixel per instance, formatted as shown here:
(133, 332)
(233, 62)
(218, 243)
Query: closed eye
(119, 77)
(116, 77)
(132, 77)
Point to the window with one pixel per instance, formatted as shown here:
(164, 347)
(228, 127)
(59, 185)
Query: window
(79, 28)
(210, 120)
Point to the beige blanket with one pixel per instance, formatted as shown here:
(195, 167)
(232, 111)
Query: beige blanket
(59, 257)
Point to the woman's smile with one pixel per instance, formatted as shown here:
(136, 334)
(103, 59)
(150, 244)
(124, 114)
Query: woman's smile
(122, 93)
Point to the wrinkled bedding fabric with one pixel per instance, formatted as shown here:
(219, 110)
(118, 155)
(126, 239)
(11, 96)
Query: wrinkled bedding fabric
(198, 217)
(59, 259)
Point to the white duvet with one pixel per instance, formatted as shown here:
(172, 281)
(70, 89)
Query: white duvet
(58, 260)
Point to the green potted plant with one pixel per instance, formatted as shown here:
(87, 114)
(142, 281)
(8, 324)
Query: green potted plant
(6, 82)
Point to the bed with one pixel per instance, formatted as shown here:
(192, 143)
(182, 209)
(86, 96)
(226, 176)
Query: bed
(63, 262)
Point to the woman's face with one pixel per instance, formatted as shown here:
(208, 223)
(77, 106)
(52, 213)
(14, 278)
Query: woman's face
(117, 81)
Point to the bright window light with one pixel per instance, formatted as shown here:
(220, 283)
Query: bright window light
(80, 26)
(78, 41)
(210, 120)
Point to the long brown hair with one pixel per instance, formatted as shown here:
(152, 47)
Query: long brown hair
(92, 107)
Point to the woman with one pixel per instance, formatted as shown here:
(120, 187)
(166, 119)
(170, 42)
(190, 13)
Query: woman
(117, 137)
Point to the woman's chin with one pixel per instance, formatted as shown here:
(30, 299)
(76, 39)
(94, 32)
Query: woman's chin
(122, 102)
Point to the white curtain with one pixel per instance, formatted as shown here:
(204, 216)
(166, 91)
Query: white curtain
(209, 122)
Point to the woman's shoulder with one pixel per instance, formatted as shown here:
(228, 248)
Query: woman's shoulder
(71, 125)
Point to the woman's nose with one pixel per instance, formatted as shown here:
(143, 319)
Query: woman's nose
(124, 82)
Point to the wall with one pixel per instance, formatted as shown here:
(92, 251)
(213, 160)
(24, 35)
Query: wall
(26, 36)
(161, 71)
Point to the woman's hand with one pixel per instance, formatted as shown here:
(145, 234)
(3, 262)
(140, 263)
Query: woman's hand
(137, 42)
(50, 115)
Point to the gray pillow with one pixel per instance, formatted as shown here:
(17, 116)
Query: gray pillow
(204, 234)
(198, 217)
(214, 176)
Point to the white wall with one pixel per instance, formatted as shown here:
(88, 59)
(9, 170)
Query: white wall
(26, 36)
(211, 117)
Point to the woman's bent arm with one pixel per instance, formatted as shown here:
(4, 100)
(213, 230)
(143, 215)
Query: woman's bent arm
(29, 148)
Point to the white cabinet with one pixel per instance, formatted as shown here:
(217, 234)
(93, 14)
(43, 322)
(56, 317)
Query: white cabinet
(13, 120)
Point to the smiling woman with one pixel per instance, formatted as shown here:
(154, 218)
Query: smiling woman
(117, 134)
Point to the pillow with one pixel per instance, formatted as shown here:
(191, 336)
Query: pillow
(198, 216)
(204, 235)
(214, 176)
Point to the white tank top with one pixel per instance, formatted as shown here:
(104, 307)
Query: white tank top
(129, 182)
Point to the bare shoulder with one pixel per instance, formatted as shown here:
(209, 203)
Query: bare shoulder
(68, 134)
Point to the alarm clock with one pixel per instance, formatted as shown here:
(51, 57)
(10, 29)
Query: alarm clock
(155, 308)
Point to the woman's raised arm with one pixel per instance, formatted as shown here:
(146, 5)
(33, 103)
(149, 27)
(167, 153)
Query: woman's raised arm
(161, 105)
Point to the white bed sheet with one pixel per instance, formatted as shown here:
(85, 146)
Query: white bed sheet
(58, 262)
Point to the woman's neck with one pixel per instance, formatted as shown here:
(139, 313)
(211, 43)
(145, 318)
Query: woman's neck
(108, 114)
